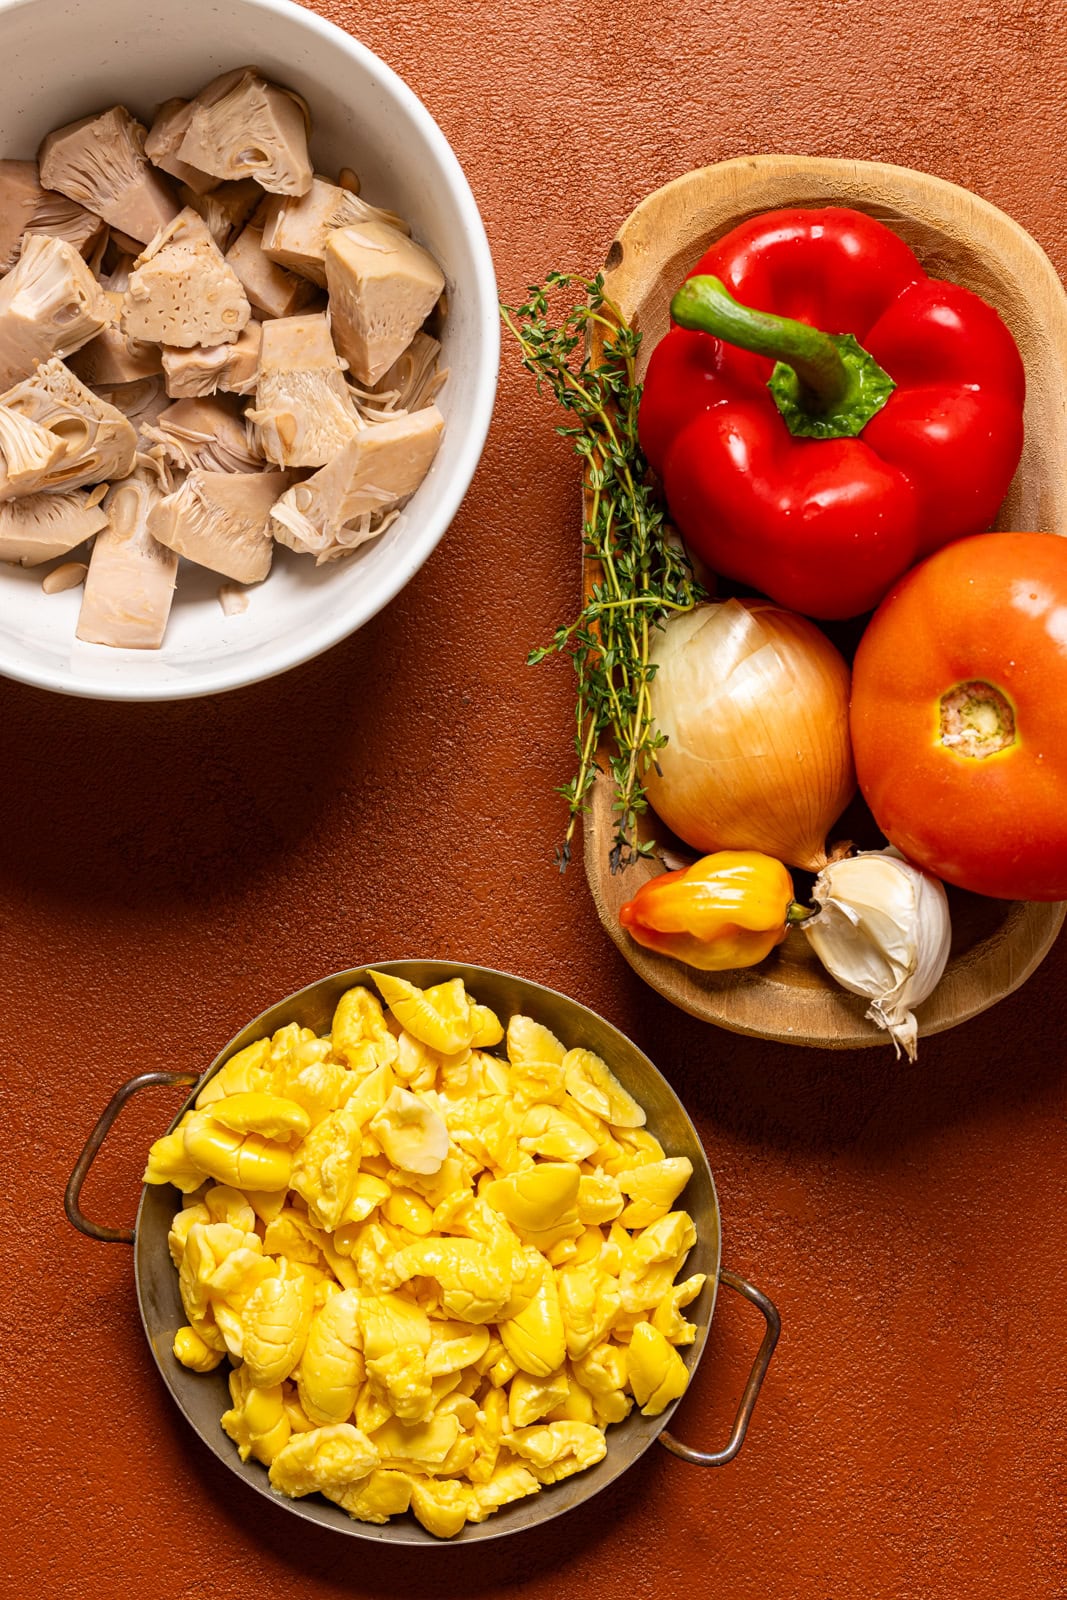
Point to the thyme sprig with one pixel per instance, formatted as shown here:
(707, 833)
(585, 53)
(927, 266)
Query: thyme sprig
(587, 359)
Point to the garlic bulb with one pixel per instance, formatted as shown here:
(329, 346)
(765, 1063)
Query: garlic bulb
(883, 931)
(753, 701)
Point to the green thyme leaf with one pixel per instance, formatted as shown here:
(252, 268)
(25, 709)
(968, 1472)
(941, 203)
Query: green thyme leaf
(646, 573)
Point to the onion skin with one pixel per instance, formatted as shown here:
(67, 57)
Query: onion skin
(753, 700)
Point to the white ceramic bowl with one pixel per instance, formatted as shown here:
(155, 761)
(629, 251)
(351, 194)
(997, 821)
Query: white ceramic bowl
(65, 58)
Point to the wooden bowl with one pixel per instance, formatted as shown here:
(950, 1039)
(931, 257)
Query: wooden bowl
(996, 944)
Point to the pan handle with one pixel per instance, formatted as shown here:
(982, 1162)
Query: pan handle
(719, 1458)
(72, 1196)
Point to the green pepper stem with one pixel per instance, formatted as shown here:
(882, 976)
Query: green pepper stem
(705, 304)
(825, 384)
(798, 913)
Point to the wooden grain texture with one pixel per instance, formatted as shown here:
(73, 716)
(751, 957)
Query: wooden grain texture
(956, 235)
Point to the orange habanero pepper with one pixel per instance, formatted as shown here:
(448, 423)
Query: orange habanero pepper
(726, 910)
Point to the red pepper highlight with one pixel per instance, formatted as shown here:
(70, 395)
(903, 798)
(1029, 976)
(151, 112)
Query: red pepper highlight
(814, 466)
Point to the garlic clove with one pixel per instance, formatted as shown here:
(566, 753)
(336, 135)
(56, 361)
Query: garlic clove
(882, 931)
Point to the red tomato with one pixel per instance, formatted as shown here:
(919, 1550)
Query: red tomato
(959, 715)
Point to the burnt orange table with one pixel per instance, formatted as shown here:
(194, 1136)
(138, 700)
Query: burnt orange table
(165, 873)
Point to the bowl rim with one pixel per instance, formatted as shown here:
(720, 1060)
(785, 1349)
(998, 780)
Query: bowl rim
(219, 677)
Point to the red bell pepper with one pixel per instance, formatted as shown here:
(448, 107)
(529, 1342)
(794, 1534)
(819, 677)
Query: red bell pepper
(823, 413)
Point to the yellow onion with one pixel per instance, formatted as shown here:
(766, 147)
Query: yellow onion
(753, 701)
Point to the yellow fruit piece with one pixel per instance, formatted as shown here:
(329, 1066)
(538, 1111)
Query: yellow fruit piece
(576, 1407)
(667, 1316)
(455, 1346)
(441, 1017)
(529, 1041)
(656, 1372)
(257, 1421)
(411, 1133)
(388, 1320)
(442, 1505)
(529, 1399)
(599, 1198)
(548, 1131)
(592, 1083)
(267, 1203)
(557, 1450)
(539, 1198)
(168, 1162)
(324, 1460)
(357, 1021)
(653, 1188)
(245, 1072)
(275, 1320)
(589, 1302)
(409, 1211)
(537, 1083)
(326, 1166)
(191, 1350)
(319, 1086)
(206, 1245)
(602, 1371)
(274, 1116)
(535, 1339)
(488, 1028)
(401, 1379)
(420, 1445)
(507, 1483)
(242, 1160)
(475, 1279)
(331, 1367)
(226, 1204)
(291, 1235)
(376, 1498)
(179, 1229)
(372, 1411)
(368, 1098)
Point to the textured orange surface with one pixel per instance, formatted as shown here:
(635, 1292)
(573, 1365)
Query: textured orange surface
(165, 873)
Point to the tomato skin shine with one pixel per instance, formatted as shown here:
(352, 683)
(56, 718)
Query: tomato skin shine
(959, 715)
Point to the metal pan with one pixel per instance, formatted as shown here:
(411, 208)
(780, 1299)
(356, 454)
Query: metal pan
(204, 1397)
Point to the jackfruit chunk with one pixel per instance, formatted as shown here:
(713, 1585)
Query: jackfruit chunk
(221, 520)
(131, 578)
(61, 218)
(163, 140)
(181, 291)
(20, 195)
(205, 433)
(270, 288)
(382, 288)
(39, 527)
(304, 412)
(50, 304)
(27, 208)
(241, 126)
(409, 384)
(226, 209)
(27, 451)
(141, 403)
(100, 443)
(110, 358)
(204, 369)
(295, 230)
(338, 507)
(100, 162)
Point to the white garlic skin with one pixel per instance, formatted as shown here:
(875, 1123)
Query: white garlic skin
(882, 931)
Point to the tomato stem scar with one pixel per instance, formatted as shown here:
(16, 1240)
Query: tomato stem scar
(977, 720)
